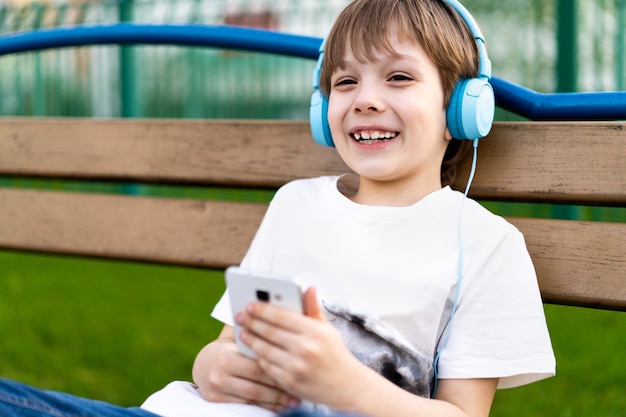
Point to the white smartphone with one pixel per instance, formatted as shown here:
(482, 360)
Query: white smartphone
(245, 287)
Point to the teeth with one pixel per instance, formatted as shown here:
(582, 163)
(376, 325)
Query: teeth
(368, 137)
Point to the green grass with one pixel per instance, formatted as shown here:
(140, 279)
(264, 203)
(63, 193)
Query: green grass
(118, 331)
(589, 347)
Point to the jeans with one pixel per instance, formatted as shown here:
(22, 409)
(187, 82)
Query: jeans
(19, 400)
(24, 401)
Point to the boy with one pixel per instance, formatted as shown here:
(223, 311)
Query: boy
(381, 248)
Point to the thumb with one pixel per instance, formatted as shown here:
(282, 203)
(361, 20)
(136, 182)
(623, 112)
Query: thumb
(311, 306)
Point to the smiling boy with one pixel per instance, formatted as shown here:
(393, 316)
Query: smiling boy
(381, 250)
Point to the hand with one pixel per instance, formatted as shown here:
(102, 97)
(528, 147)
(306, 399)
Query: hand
(304, 354)
(306, 357)
(224, 375)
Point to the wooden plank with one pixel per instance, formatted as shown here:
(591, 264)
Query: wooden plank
(527, 161)
(578, 263)
(186, 232)
(577, 163)
(222, 152)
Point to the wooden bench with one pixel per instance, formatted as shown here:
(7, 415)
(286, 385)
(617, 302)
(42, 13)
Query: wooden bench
(580, 263)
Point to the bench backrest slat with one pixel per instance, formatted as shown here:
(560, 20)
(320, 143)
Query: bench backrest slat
(548, 162)
(578, 263)
(221, 152)
(573, 162)
(187, 232)
(216, 234)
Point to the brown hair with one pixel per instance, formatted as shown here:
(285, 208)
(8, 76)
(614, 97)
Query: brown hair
(365, 25)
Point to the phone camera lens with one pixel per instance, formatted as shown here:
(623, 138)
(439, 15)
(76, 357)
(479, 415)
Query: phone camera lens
(262, 295)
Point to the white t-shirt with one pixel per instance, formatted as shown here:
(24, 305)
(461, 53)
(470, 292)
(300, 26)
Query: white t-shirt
(386, 277)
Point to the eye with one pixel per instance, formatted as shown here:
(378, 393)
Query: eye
(345, 81)
(344, 84)
(400, 77)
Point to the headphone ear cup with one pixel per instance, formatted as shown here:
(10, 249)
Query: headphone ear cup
(318, 118)
(471, 109)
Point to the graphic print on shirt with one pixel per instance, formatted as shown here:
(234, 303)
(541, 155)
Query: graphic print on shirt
(378, 348)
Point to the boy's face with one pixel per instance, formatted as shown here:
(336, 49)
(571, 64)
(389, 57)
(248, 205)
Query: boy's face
(388, 121)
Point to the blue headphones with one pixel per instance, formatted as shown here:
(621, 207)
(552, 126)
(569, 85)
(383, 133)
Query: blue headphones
(472, 103)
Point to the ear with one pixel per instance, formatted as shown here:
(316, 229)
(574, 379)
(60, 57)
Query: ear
(447, 135)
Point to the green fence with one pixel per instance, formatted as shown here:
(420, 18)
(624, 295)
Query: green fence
(555, 45)
(161, 81)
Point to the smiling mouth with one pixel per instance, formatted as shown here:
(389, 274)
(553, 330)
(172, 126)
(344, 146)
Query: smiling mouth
(373, 136)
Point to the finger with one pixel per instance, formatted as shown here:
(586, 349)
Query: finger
(311, 305)
(269, 342)
(232, 367)
(271, 322)
(287, 363)
(240, 382)
(249, 392)
(277, 316)
(243, 367)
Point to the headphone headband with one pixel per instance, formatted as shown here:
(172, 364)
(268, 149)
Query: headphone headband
(484, 63)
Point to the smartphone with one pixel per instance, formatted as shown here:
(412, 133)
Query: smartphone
(245, 287)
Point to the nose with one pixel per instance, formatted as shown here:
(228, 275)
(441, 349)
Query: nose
(369, 99)
(365, 109)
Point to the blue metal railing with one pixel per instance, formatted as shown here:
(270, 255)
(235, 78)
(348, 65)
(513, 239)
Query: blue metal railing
(219, 36)
(509, 96)
(559, 106)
